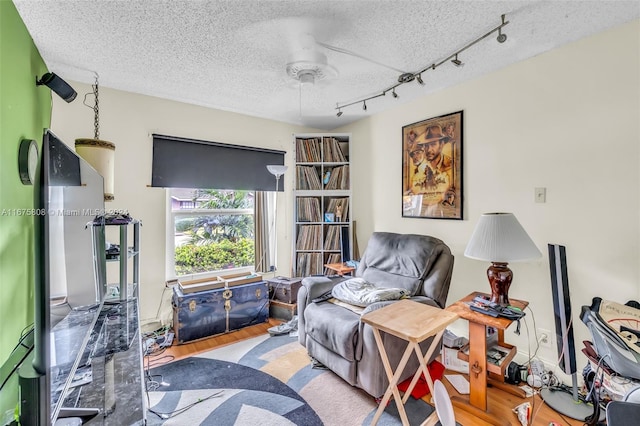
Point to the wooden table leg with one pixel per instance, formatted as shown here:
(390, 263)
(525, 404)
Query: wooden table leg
(478, 365)
(393, 380)
(423, 368)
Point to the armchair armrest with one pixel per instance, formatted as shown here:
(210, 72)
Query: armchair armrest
(316, 287)
(311, 288)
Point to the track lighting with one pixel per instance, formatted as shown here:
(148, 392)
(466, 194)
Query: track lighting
(406, 77)
(339, 113)
(501, 37)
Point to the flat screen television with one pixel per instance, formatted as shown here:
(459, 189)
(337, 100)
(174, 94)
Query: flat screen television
(68, 194)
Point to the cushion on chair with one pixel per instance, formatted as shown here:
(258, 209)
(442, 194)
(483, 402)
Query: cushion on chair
(334, 327)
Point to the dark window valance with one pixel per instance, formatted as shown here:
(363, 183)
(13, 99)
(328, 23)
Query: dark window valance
(190, 163)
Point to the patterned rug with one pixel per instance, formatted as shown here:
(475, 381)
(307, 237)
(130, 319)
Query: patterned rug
(267, 381)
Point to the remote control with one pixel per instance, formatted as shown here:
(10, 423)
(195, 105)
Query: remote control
(489, 312)
(323, 298)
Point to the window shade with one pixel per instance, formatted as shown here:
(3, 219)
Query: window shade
(190, 163)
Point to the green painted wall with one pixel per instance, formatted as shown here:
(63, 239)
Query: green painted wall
(25, 110)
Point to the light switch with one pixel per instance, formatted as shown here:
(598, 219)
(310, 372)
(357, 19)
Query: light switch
(541, 195)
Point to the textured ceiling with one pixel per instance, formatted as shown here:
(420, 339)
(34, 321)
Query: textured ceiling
(232, 55)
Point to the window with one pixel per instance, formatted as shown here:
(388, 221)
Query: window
(213, 230)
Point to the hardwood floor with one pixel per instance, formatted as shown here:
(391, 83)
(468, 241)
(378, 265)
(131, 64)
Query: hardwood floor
(501, 403)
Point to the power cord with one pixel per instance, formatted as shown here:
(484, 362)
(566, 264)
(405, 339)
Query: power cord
(174, 413)
(153, 385)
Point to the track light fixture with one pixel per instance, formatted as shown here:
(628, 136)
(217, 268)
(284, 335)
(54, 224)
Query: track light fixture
(501, 37)
(407, 77)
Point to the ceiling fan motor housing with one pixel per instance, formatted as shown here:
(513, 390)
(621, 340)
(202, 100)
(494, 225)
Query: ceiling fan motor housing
(308, 66)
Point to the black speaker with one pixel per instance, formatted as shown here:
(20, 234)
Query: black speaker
(58, 85)
(513, 373)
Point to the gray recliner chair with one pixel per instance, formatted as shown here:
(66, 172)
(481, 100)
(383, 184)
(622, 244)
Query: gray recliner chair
(335, 336)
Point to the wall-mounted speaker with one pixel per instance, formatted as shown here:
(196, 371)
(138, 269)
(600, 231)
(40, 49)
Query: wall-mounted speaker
(58, 85)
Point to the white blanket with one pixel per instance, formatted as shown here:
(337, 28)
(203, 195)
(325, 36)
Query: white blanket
(357, 291)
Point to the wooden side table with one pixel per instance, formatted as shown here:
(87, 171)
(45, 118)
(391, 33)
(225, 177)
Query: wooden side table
(413, 322)
(341, 268)
(479, 369)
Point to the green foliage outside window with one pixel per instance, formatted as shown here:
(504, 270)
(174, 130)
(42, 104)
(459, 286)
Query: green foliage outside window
(225, 254)
(215, 241)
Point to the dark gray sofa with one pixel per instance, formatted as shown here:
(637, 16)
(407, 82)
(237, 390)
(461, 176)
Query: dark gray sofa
(336, 337)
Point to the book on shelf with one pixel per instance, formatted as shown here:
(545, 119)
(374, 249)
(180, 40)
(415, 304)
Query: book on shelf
(331, 150)
(308, 209)
(309, 237)
(307, 178)
(339, 178)
(308, 150)
(332, 238)
(309, 264)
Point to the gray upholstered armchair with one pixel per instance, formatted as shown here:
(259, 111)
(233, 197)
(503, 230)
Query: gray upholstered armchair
(335, 336)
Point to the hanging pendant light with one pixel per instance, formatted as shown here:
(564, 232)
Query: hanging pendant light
(99, 153)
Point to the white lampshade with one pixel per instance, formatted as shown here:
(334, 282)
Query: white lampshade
(499, 237)
(100, 154)
(276, 169)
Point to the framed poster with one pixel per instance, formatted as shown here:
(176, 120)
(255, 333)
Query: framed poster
(432, 168)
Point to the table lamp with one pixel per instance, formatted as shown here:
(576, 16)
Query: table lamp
(499, 238)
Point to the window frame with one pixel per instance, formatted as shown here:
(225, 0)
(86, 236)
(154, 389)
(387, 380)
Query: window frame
(170, 245)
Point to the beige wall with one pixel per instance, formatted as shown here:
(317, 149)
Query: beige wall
(567, 120)
(128, 120)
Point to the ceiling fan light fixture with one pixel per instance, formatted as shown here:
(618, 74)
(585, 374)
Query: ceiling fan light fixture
(309, 67)
(307, 77)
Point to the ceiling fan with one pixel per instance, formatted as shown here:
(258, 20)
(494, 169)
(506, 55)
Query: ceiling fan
(308, 65)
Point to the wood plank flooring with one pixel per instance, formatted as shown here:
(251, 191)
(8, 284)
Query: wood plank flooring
(501, 403)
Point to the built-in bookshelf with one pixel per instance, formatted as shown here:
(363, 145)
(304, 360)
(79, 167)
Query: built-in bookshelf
(322, 204)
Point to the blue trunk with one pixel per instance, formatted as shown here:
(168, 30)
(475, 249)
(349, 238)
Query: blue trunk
(207, 313)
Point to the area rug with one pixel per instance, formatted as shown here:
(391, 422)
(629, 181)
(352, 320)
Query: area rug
(267, 381)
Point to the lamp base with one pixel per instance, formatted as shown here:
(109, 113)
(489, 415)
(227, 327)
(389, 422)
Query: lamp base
(500, 277)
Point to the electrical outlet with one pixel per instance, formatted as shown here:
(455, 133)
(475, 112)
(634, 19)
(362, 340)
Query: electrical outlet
(545, 338)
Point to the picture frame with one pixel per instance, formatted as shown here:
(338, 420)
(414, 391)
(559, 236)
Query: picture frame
(329, 217)
(432, 168)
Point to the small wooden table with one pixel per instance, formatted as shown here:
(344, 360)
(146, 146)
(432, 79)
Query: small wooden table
(413, 322)
(478, 369)
(341, 268)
